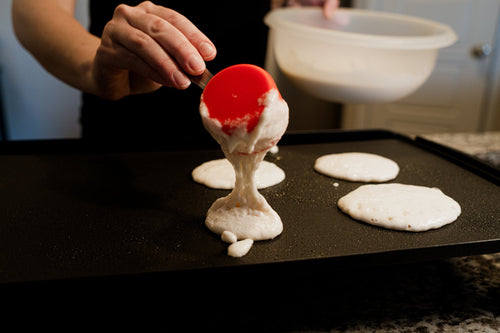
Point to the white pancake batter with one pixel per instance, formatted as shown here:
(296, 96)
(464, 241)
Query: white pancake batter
(358, 167)
(219, 174)
(228, 237)
(240, 248)
(400, 207)
(245, 212)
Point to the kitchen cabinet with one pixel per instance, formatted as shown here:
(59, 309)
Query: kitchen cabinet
(461, 94)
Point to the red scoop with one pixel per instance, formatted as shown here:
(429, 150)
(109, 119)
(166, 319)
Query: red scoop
(232, 96)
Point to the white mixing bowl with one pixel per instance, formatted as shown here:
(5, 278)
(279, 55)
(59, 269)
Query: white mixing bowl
(372, 57)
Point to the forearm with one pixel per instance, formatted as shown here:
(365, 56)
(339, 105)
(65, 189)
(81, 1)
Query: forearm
(48, 30)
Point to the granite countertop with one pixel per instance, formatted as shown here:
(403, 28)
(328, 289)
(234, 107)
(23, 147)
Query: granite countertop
(485, 146)
(459, 294)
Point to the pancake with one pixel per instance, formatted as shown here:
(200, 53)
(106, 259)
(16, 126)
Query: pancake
(219, 174)
(357, 167)
(400, 206)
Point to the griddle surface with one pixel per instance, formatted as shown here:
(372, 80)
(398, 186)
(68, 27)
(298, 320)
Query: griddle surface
(73, 213)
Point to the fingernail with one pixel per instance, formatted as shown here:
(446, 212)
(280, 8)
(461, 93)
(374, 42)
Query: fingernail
(196, 64)
(180, 80)
(206, 50)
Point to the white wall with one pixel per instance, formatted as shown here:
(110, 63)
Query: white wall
(36, 105)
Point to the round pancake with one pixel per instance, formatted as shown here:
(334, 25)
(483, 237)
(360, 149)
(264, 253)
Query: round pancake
(400, 206)
(219, 174)
(358, 167)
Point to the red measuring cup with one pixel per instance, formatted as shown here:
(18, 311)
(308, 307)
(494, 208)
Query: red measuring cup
(233, 96)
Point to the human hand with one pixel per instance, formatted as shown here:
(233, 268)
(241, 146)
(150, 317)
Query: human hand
(145, 47)
(329, 6)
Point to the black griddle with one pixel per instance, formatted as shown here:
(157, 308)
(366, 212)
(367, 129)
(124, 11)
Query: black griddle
(71, 210)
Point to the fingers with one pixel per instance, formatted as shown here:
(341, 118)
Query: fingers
(175, 34)
(329, 8)
(163, 45)
(138, 52)
(187, 29)
(158, 43)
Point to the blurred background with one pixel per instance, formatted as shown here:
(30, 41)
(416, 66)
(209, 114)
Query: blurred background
(462, 94)
(34, 104)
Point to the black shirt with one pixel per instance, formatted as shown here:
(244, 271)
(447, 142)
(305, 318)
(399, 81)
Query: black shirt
(240, 36)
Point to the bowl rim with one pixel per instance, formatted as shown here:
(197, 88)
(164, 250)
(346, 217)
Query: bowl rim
(444, 36)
